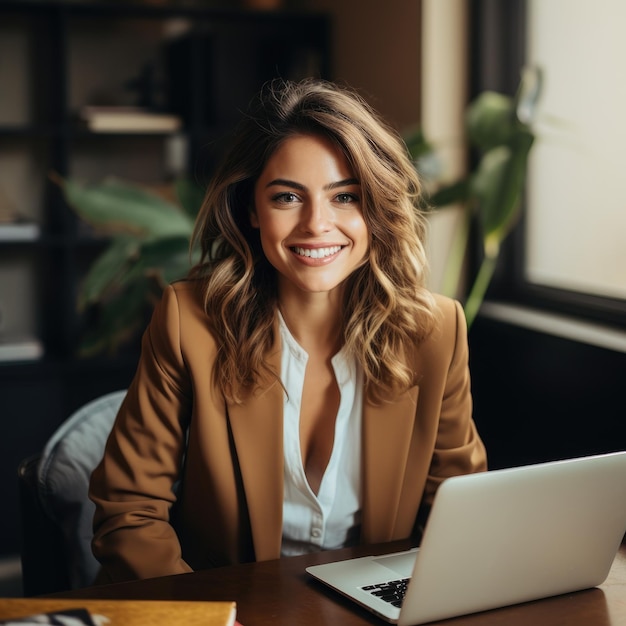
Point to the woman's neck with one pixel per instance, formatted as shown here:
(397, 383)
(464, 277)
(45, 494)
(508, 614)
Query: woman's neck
(314, 320)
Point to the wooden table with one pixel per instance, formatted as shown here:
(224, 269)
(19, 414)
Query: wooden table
(281, 593)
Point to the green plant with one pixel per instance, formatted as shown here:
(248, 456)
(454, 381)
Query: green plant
(148, 246)
(498, 131)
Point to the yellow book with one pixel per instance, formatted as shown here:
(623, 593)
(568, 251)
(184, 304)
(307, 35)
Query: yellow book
(123, 612)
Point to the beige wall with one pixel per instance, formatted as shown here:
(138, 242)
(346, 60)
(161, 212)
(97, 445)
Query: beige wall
(444, 95)
(376, 48)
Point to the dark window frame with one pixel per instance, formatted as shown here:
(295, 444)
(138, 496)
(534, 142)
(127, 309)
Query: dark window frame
(498, 36)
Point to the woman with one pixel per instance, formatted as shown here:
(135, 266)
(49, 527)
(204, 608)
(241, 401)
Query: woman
(302, 389)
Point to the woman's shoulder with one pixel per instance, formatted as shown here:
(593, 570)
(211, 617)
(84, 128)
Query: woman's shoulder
(180, 322)
(182, 305)
(188, 290)
(448, 310)
(186, 295)
(449, 331)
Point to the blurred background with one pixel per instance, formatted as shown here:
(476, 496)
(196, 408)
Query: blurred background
(548, 346)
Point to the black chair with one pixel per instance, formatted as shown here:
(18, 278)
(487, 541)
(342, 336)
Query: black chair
(56, 513)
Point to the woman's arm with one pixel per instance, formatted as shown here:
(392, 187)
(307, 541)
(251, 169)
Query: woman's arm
(133, 486)
(458, 448)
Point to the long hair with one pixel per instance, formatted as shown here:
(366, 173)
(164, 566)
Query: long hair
(387, 309)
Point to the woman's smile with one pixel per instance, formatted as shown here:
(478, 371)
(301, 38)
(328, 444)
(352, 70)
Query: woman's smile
(316, 256)
(307, 206)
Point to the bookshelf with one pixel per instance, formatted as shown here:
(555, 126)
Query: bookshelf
(194, 63)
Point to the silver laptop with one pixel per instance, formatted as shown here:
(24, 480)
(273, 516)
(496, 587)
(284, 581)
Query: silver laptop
(498, 538)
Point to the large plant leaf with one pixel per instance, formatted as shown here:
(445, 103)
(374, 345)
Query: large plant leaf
(149, 248)
(158, 257)
(106, 271)
(114, 206)
(498, 184)
(490, 120)
(458, 192)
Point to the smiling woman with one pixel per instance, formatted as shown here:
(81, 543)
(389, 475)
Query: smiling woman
(307, 208)
(301, 389)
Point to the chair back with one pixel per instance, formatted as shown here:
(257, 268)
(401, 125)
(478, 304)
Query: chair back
(57, 514)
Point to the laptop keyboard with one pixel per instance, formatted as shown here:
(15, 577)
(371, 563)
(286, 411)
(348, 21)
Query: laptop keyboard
(390, 591)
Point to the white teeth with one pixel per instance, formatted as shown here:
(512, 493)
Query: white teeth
(317, 253)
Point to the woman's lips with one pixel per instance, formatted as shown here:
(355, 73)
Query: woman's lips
(316, 256)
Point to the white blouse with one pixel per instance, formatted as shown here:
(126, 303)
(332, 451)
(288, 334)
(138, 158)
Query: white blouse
(330, 519)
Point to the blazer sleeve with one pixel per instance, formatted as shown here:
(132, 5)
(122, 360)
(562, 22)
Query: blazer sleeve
(133, 486)
(458, 447)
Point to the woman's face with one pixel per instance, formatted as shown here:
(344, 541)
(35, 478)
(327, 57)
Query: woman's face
(307, 207)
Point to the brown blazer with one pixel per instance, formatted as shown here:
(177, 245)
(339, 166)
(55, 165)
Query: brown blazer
(175, 423)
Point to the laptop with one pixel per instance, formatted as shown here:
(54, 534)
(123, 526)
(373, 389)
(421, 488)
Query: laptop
(498, 538)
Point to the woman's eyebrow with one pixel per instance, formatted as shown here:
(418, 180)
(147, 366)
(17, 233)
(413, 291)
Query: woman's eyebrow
(283, 182)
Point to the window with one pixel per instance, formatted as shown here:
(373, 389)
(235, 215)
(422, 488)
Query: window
(568, 254)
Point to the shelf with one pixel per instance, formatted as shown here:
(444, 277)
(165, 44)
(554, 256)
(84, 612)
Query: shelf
(22, 349)
(19, 232)
(66, 56)
(178, 58)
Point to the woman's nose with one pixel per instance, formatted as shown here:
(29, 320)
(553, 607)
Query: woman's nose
(317, 217)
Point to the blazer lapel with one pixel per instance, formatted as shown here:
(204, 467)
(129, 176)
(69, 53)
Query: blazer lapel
(387, 433)
(257, 427)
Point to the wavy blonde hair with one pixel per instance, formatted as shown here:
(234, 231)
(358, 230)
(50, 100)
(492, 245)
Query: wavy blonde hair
(387, 309)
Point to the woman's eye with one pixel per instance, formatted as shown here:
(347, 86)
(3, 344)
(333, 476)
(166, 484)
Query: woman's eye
(345, 198)
(285, 197)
